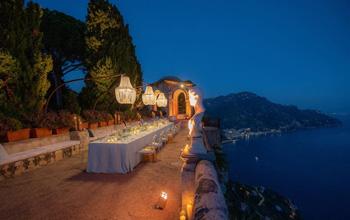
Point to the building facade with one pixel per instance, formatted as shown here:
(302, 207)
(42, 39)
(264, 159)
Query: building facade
(176, 92)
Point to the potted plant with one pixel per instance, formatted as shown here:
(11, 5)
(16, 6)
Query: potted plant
(12, 130)
(65, 121)
(106, 119)
(92, 118)
(129, 115)
(44, 125)
(102, 122)
(82, 124)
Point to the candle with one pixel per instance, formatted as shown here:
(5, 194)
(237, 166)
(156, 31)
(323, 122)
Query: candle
(189, 211)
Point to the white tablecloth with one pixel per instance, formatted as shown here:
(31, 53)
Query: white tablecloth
(122, 157)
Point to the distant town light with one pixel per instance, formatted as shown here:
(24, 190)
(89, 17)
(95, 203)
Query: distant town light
(182, 85)
(125, 93)
(148, 98)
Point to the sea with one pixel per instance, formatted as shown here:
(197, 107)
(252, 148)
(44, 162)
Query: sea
(310, 167)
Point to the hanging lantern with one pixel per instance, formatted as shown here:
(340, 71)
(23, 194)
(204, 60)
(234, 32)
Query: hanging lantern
(161, 100)
(125, 93)
(148, 97)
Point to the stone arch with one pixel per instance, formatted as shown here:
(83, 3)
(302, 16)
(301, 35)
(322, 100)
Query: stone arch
(174, 104)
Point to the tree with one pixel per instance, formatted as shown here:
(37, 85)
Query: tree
(28, 68)
(64, 41)
(109, 51)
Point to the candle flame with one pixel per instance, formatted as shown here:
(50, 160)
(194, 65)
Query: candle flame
(193, 97)
(190, 126)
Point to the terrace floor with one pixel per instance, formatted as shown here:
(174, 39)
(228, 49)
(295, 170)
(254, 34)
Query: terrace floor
(64, 190)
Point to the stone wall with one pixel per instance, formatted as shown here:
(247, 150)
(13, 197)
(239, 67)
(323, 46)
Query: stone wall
(25, 145)
(209, 202)
(15, 168)
(26, 155)
(202, 197)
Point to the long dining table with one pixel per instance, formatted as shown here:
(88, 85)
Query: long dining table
(121, 156)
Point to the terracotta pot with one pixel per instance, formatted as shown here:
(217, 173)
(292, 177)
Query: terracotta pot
(83, 125)
(102, 123)
(60, 130)
(93, 125)
(21, 134)
(40, 132)
(111, 122)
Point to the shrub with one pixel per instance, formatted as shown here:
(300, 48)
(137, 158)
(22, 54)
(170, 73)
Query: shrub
(129, 115)
(91, 116)
(66, 119)
(55, 120)
(106, 116)
(9, 124)
(49, 120)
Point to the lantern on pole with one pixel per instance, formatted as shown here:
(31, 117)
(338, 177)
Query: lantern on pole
(148, 98)
(161, 100)
(125, 93)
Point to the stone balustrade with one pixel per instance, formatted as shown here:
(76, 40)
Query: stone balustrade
(202, 197)
(209, 201)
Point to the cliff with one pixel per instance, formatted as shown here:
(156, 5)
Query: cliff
(248, 110)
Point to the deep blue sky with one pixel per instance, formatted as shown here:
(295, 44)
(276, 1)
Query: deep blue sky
(292, 52)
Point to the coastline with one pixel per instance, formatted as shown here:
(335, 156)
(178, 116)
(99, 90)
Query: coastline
(284, 166)
(232, 135)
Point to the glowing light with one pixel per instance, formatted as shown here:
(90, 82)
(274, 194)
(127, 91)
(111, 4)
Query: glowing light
(162, 200)
(190, 126)
(189, 210)
(125, 93)
(164, 195)
(186, 149)
(193, 97)
(148, 98)
(182, 86)
(161, 100)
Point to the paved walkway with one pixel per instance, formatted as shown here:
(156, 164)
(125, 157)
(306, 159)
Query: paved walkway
(64, 191)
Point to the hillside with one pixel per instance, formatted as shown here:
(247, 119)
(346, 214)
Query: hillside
(248, 110)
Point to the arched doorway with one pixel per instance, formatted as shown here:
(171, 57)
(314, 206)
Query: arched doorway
(179, 105)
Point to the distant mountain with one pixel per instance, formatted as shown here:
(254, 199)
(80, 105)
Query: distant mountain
(248, 110)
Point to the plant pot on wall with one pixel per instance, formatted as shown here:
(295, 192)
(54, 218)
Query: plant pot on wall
(83, 125)
(111, 122)
(60, 130)
(40, 132)
(102, 123)
(18, 135)
(93, 125)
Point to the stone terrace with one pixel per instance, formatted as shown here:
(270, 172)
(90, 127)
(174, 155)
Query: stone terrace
(64, 190)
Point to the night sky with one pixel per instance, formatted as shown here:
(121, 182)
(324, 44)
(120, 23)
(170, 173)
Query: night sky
(292, 52)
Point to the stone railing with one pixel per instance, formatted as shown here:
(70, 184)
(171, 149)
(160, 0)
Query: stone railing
(202, 197)
(209, 202)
